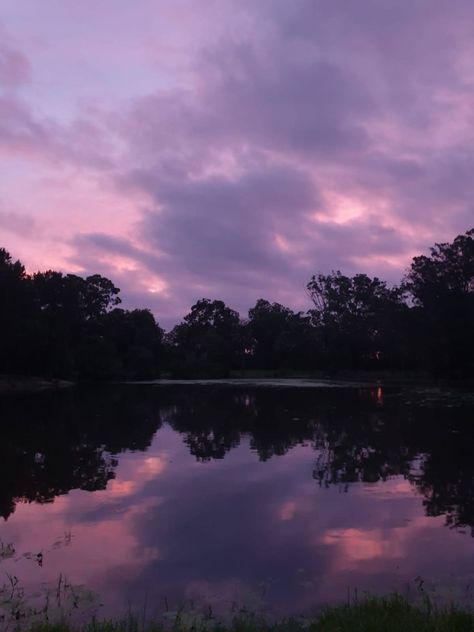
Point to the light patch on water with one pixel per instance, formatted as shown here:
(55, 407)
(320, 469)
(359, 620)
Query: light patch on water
(257, 382)
(287, 511)
(152, 466)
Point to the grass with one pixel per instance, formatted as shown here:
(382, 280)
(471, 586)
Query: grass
(390, 614)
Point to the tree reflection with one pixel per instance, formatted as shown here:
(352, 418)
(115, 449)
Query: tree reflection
(58, 441)
(447, 476)
(359, 435)
(215, 420)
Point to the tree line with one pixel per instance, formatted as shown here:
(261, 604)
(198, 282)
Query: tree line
(63, 325)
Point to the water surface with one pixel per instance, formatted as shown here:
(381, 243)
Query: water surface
(278, 499)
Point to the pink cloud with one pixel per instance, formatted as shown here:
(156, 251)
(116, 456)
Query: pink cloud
(14, 67)
(235, 148)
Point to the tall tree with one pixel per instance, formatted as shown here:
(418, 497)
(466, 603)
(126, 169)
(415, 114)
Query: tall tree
(208, 342)
(441, 286)
(279, 338)
(18, 326)
(358, 318)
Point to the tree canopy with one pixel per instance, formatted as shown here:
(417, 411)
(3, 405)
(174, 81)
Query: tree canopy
(64, 325)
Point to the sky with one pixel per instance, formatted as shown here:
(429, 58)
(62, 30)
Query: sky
(232, 148)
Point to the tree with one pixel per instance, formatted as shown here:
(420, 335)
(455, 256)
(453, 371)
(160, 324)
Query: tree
(18, 324)
(448, 270)
(279, 338)
(441, 287)
(76, 298)
(208, 342)
(128, 344)
(63, 325)
(66, 306)
(97, 296)
(357, 318)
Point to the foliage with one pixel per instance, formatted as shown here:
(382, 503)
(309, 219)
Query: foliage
(359, 319)
(390, 614)
(207, 342)
(279, 338)
(58, 325)
(442, 289)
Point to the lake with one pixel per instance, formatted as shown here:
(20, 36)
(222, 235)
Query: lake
(271, 497)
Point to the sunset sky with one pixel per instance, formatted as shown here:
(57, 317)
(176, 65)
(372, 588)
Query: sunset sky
(232, 148)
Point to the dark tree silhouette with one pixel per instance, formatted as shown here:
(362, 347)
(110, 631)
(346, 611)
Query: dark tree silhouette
(19, 327)
(56, 325)
(59, 325)
(208, 342)
(360, 321)
(441, 286)
(278, 338)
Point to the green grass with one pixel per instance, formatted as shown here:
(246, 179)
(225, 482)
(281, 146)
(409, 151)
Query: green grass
(391, 614)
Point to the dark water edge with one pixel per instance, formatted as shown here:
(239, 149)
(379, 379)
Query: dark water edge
(12, 384)
(277, 498)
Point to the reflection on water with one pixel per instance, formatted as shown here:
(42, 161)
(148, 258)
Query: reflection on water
(273, 498)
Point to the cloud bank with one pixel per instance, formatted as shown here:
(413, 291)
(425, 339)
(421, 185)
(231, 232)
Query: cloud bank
(232, 149)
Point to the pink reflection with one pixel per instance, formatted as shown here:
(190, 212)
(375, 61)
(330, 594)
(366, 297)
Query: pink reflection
(355, 545)
(231, 530)
(287, 511)
(87, 552)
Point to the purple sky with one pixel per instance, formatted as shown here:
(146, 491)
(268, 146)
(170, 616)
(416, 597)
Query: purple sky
(232, 148)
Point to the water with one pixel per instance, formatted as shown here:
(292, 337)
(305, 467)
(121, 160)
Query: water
(274, 498)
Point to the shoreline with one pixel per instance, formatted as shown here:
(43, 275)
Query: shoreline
(26, 384)
(372, 614)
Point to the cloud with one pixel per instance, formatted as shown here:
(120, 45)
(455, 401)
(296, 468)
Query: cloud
(232, 221)
(294, 138)
(18, 224)
(15, 68)
(24, 133)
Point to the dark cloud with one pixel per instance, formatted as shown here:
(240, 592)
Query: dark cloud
(240, 169)
(233, 223)
(310, 136)
(19, 224)
(293, 101)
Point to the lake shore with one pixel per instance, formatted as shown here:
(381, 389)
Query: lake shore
(390, 614)
(355, 379)
(26, 384)
(10, 384)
